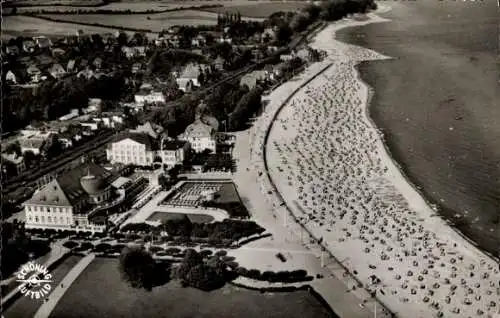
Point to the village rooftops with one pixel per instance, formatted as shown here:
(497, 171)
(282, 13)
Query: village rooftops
(198, 129)
(149, 128)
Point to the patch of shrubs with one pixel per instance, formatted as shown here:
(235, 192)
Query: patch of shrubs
(275, 277)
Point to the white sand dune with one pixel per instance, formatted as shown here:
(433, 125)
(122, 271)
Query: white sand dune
(329, 163)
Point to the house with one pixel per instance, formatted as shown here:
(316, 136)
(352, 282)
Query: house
(253, 78)
(304, 54)
(134, 51)
(257, 54)
(33, 144)
(66, 139)
(29, 46)
(92, 125)
(94, 105)
(224, 39)
(198, 41)
(108, 38)
(43, 42)
(191, 72)
(200, 136)
(143, 150)
(132, 148)
(71, 200)
(70, 67)
(136, 67)
(72, 114)
(97, 63)
(12, 50)
(219, 63)
(271, 49)
(174, 29)
(10, 77)
(56, 71)
(109, 121)
(34, 73)
(58, 52)
(133, 106)
(269, 35)
(153, 130)
(286, 57)
(185, 85)
(14, 162)
(173, 152)
(86, 73)
(149, 96)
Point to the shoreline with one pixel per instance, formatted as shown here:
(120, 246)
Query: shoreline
(417, 187)
(402, 184)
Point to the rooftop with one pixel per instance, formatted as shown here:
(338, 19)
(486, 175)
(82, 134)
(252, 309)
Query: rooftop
(67, 189)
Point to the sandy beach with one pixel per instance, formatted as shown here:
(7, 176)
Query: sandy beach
(329, 165)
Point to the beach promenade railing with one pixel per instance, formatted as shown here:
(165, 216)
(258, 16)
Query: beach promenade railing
(285, 204)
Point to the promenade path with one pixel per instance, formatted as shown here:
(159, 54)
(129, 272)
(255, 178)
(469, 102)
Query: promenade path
(46, 309)
(332, 289)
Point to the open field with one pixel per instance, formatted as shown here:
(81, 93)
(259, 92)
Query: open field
(258, 9)
(26, 307)
(118, 6)
(154, 22)
(194, 218)
(88, 297)
(27, 26)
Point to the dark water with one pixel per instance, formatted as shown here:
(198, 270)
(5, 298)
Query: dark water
(438, 104)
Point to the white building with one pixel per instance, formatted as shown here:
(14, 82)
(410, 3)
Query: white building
(200, 136)
(69, 201)
(141, 149)
(173, 152)
(132, 148)
(150, 97)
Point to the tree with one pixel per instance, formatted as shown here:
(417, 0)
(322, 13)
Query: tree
(284, 34)
(14, 148)
(190, 260)
(137, 267)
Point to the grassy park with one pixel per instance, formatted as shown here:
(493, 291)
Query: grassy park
(194, 218)
(100, 290)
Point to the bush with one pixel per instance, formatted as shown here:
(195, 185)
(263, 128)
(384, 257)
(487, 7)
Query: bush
(155, 249)
(87, 246)
(206, 253)
(232, 265)
(221, 253)
(137, 267)
(241, 271)
(70, 244)
(102, 247)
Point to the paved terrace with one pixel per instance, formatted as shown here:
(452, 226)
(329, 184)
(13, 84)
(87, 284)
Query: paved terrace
(154, 205)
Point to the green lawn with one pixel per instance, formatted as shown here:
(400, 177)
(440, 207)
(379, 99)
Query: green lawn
(26, 307)
(194, 218)
(259, 10)
(99, 292)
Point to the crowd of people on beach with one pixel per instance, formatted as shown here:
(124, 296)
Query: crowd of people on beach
(324, 153)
